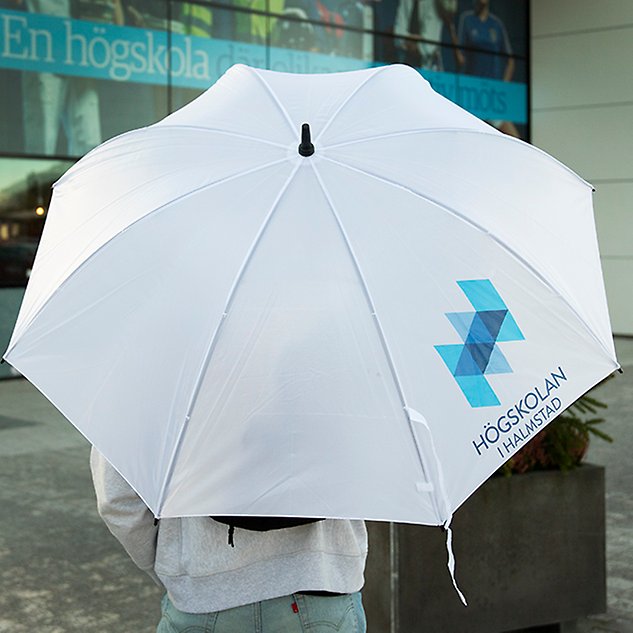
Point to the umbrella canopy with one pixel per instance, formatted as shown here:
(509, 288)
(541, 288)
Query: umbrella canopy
(366, 326)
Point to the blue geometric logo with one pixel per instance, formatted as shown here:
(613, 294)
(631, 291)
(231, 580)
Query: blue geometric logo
(481, 330)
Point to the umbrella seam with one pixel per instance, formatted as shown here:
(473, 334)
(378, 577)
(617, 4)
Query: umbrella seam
(71, 172)
(94, 150)
(83, 434)
(274, 97)
(499, 136)
(70, 236)
(484, 230)
(151, 213)
(220, 131)
(77, 167)
(214, 338)
(158, 178)
(381, 334)
(348, 99)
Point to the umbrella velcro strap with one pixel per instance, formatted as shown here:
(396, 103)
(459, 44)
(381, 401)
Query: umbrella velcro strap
(418, 418)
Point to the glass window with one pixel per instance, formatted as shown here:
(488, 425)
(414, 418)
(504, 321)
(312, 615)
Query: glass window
(80, 72)
(305, 47)
(469, 50)
(419, 28)
(74, 73)
(25, 194)
(77, 72)
(206, 41)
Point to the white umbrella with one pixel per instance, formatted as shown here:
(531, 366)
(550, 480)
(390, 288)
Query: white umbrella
(366, 328)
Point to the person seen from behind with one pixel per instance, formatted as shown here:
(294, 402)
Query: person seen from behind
(291, 580)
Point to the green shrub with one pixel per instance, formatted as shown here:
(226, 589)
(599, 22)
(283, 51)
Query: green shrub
(563, 443)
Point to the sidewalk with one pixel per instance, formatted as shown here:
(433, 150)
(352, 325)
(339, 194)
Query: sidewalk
(618, 459)
(62, 572)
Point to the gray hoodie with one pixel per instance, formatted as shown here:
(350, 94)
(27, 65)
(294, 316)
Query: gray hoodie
(192, 560)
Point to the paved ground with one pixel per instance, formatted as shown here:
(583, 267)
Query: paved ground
(61, 571)
(618, 458)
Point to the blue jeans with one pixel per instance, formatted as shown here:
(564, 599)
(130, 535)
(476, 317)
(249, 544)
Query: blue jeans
(297, 613)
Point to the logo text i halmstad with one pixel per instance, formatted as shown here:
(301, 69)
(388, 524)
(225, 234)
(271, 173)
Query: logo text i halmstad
(522, 419)
(479, 356)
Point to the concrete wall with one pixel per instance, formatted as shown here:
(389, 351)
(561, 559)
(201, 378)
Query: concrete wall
(582, 113)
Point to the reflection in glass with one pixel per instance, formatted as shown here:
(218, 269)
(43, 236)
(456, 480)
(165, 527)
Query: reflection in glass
(25, 193)
(292, 54)
(237, 23)
(292, 30)
(344, 20)
(303, 47)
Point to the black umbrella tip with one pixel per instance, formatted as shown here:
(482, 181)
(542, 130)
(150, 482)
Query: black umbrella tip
(306, 148)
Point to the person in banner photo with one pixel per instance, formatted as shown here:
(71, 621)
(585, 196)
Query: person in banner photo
(54, 103)
(43, 94)
(420, 23)
(384, 20)
(486, 50)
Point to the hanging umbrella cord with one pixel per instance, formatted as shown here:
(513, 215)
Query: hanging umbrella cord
(306, 148)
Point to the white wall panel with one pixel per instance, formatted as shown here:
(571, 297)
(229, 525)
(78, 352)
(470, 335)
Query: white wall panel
(582, 113)
(563, 16)
(584, 68)
(595, 142)
(618, 274)
(613, 204)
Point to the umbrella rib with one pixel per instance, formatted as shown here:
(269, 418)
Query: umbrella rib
(214, 338)
(381, 332)
(132, 133)
(347, 100)
(498, 135)
(274, 97)
(420, 130)
(150, 213)
(202, 128)
(482, 229)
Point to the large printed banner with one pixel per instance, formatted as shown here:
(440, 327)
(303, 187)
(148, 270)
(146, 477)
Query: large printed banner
(43, 43)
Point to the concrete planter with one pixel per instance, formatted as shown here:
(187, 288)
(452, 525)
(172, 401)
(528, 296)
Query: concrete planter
(530, 552)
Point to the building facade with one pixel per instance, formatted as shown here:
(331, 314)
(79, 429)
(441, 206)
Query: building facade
(582, 113)
(74, 73)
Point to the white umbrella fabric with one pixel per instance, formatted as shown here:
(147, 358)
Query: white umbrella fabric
(365, 330)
